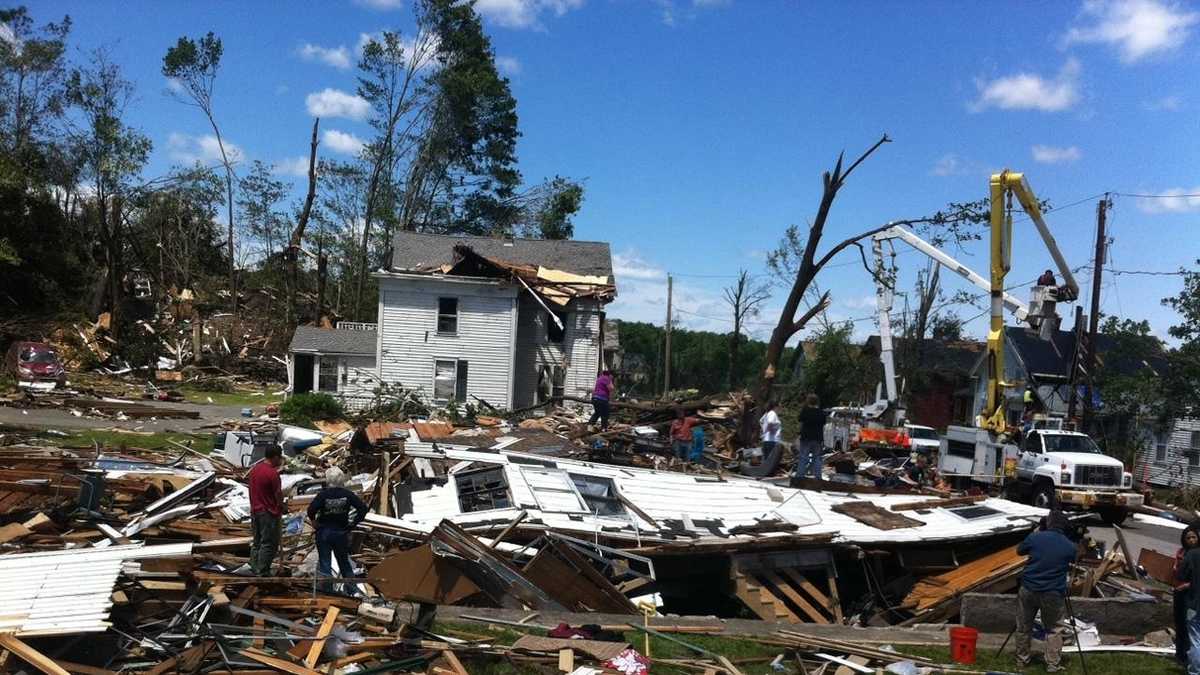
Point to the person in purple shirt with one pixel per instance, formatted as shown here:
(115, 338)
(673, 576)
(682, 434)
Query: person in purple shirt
(601, 394)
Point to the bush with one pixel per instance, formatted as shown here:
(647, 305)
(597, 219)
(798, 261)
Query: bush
(303, 409)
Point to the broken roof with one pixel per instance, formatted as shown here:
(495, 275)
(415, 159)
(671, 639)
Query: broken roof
(420, 252)
(308, 339)
(957, 356)
(1052, 358)
(687, 509)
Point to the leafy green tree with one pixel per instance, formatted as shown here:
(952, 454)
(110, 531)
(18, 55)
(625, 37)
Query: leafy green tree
(838, 372)
(113, 156)
(33, 79)
(192, 67)
(259, 195)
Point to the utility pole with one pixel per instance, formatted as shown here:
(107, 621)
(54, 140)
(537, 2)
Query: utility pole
(1094, 318)
(667, 357)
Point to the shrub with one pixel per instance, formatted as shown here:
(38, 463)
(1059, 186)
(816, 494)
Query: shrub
(303, 409)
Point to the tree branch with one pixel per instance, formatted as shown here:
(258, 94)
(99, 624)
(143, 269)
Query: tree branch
(820, 306)
(873, 148)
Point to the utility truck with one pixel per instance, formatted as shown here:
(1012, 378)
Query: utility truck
(1068, 468)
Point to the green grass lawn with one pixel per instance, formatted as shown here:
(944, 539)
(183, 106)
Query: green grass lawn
(254, 398)
(116, 439)
(754, 658)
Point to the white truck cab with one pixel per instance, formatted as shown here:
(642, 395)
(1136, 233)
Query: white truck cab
(1068, 468)
(923, 440)
(842, 427)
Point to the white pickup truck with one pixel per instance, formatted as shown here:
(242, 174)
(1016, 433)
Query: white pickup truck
(1068, 467)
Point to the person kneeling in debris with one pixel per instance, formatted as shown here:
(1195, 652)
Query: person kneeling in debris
(330, 514)
(266, 509)
(1044, 587)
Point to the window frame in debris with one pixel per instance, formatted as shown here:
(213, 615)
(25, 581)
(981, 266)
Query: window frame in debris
(458, 382)
(499, 496)
(565, 487)
(616, 506)
(323, 373)
(554, 334)
(447, 315)
(979, 511)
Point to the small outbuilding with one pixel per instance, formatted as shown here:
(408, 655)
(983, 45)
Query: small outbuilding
(339, 361)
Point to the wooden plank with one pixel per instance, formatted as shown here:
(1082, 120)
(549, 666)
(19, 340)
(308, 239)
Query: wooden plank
(1129, 566)
(509, 528)
(81, 669)
(31, 656)
(278, 664)
(876, 517)
(260, 629)
(938, 503)
(812, 612)
(457, 665)
(314, 652)
(835, 599)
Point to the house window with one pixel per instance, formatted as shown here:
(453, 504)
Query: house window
(555, 334)
(1160, 446)
(327, 379)
(600, 495)
(1194, 449)
(559, 380)
(447, 322)
(482, 490)
(450, 380)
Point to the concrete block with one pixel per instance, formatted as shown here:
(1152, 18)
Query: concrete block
(996, 613)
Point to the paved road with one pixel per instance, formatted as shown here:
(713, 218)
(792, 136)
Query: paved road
(1138, 535)
(61, 418)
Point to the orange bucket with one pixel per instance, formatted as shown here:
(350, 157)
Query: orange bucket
(962, 644)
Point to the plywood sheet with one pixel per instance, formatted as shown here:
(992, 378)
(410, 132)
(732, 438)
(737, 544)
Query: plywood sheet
(875, 516)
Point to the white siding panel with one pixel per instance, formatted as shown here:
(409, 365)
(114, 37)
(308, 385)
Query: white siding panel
(583, 347)
(410, 343)
(1177, 470)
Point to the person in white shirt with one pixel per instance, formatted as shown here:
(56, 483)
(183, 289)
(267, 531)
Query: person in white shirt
(772, 429)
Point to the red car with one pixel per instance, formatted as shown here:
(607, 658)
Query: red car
(34, 362)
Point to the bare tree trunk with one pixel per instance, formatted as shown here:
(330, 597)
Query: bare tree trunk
(788, 324)
(301, 223)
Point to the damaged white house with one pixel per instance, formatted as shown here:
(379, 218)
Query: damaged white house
(470, 319)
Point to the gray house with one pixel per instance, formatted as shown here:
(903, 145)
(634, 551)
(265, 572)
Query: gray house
(337, 361)
(509, 322)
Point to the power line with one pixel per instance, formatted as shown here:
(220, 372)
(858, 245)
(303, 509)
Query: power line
(1145, 196)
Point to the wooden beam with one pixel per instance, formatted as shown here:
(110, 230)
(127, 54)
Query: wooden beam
(509, 528)
(938, 503)
(81, 669)
(314, 652)
(31, 656)
(278, 664)
(457, 665)
(813, 614)
(566, 660)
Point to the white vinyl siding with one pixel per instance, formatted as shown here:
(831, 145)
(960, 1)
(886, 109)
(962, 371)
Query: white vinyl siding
(578, 355)
(410, 344)
(1180, 463)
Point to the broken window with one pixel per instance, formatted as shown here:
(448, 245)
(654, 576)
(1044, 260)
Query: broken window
(327, 379)
(600, 495)
(960, 449)
(553, 490)
(447, 321)
(974, 512)
(553, 332)
(460, 383)
(559, 379)
(482, 489)
(450, 380)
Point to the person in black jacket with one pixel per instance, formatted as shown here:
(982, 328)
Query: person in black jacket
(1189, 573)
(808, 442)
(330, 513)
(1189, 539)
(1044, 587)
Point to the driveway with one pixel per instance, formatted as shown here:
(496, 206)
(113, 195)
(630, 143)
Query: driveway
(63, 419)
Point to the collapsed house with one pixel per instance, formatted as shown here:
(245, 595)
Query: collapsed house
(505, 323)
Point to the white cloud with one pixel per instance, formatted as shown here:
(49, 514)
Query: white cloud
(8, 35)
(340, 141)
(381, 5)
(174, 85)
(1175, 200)
(1027, 91)
(337, 103)
(509, 65)
(630, 265)
(1166, 103)
(1049, 154)
(1137, 28)
(949, 164)
(204, 149)
(523, 13)
(293, 166)
(338, 57)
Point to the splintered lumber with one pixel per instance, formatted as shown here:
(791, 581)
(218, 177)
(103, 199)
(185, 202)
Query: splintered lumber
(875, 516)
(314, 652)
(31, 656)
(276, 663)
(941, 592)
(813, 643)
(938, 503)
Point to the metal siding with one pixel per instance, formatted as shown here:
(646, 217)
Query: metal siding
(409, 343)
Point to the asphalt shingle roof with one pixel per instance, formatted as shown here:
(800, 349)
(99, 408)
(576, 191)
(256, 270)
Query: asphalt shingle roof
(419, 251)
(333, 341)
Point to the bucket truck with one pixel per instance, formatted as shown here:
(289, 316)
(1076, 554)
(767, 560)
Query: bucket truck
(1051, 466)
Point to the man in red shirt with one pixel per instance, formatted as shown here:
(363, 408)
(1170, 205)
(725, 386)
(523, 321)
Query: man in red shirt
(266, 510)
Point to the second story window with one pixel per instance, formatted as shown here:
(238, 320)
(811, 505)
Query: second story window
(447, 321)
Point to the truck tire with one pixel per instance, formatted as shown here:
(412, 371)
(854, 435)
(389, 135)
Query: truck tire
(1043, 494)
(1113, 515)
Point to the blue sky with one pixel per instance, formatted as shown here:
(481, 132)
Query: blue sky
(701, 127)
